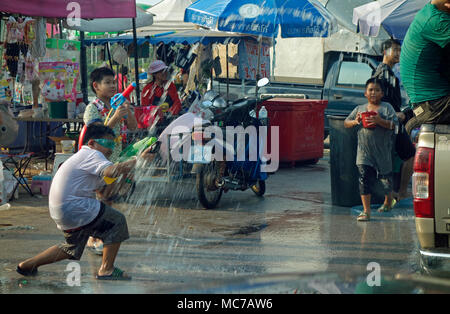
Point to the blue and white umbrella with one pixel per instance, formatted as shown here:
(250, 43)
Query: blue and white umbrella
(394, 16)
(296, 18)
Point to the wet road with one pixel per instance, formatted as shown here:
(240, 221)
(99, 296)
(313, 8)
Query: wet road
(177, 246)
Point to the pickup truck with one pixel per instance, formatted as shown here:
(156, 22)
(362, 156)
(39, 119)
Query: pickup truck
(431, 180)
(345, 75)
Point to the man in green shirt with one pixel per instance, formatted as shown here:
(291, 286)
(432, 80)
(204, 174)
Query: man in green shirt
(425, 62)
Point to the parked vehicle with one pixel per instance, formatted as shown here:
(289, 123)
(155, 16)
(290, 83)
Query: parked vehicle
(239, 174)
(188, 154)
(431, 180)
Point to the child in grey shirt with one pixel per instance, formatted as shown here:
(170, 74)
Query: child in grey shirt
(375, 141)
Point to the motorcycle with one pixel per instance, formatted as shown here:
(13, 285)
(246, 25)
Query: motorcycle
(240, 169)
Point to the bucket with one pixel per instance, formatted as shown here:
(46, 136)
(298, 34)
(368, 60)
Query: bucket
(57, 110)
(67, 146)
(365, 115)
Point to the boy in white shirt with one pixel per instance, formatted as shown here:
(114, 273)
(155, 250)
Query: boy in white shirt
(77, 212)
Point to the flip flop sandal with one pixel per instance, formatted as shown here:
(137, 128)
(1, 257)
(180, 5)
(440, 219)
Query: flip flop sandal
(385, 209)
(394, 202)
(117, 274)
(363, 217)
(25, 272)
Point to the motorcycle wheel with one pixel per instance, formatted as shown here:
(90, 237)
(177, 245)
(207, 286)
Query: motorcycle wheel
(259, 188)
(208, 195)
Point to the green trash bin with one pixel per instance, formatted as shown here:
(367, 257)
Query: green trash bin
(343, 170)
(57, 110)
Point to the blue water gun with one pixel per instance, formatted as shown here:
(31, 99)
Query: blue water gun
(119, 99)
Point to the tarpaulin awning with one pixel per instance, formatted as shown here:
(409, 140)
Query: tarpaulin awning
(186, 37)
(86, 9)
(112, 24)
(169, 16)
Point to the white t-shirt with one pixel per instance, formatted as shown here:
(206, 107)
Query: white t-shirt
(72, 199)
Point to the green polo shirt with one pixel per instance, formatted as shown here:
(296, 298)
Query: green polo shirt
(424, 59)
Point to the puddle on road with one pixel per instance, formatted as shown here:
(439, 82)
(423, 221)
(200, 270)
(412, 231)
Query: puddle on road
(246, 230)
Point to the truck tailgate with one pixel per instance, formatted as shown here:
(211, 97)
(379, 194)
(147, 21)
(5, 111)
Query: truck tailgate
(442, 179)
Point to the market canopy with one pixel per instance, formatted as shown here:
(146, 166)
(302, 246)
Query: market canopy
(394, 16)
(202, 36)
(168, 16)
(87, 9)
(113, 24)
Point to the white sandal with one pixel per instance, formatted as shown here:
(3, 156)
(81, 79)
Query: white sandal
(363, 217)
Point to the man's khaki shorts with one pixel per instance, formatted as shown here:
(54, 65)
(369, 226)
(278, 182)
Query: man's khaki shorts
(110, 226)
(434, 111)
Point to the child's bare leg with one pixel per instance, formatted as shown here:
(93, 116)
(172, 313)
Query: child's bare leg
(406, 173)
(109, 256)
(366, 202)
(388, 200)
(51, 255)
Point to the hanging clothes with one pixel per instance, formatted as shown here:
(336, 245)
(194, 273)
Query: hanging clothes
(15, 43)
(38, 46)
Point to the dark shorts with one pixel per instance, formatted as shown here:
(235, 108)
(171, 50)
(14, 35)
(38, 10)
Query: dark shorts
(404, 147)
(433, 111)
(110, 226)
(367, 178)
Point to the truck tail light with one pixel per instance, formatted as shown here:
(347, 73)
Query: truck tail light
(423, 183)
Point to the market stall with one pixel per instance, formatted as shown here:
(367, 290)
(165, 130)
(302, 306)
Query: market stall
(44, 72)
(39, 76)
(170, 46)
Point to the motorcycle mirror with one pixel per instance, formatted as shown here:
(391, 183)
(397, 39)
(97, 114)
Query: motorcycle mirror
(263, 82)
(207, 104)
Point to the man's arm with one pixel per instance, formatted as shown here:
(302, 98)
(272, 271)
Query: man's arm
(118, 169)
(124, 168)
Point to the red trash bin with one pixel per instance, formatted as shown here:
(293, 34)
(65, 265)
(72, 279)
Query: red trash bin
(301, 127)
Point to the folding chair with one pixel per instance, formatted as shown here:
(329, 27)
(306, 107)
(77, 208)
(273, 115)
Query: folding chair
(18, 162)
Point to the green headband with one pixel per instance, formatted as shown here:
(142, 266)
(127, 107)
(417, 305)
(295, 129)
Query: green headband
(106, 143)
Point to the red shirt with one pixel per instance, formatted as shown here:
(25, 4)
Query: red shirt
(119, 77)
(151, 95)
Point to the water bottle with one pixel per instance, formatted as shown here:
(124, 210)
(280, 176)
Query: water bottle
(263, 115)
(136, 148)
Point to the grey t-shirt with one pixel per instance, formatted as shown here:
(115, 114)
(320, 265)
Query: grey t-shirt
(375, 145)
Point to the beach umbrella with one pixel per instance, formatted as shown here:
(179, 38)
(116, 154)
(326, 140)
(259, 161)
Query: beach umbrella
(394, 16)
(295, 18)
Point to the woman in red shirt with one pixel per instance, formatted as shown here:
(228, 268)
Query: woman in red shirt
(152, 94)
